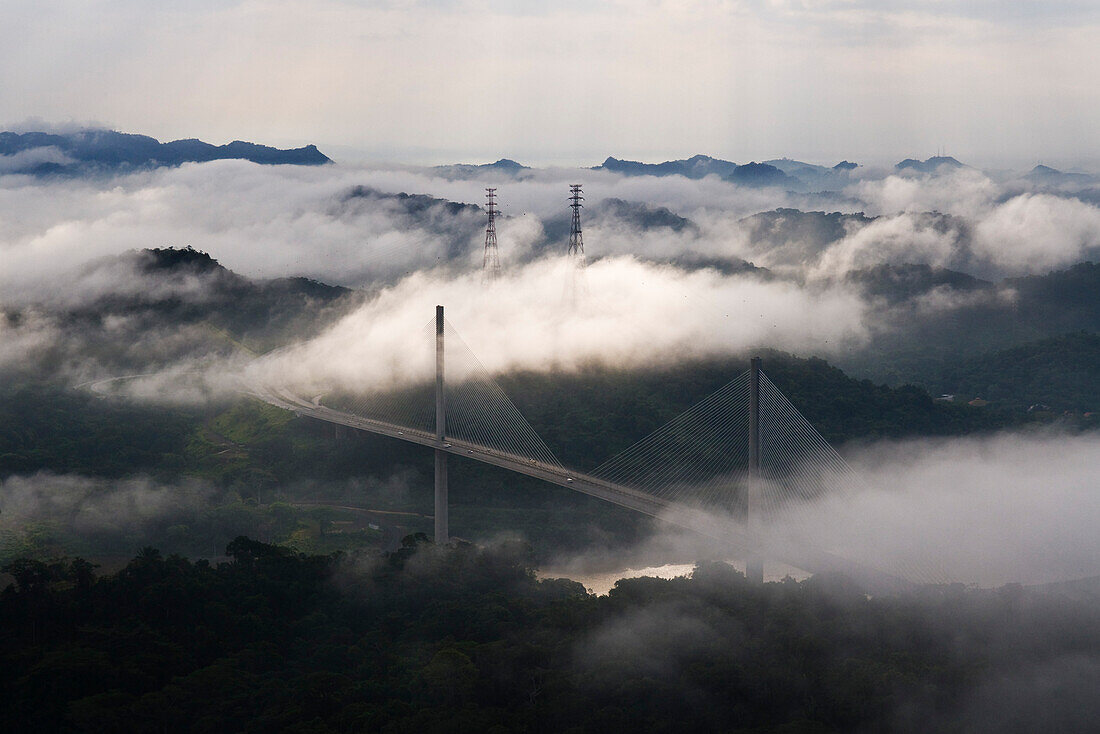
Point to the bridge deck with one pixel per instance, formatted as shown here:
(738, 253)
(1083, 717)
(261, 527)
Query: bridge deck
(732, 534)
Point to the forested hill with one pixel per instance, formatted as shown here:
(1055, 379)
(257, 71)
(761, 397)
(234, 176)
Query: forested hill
(144, 309)
(248, 309)
(922, 346)
(1057, 374)
(466, 640)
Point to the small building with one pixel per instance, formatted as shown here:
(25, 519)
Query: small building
(978, 403)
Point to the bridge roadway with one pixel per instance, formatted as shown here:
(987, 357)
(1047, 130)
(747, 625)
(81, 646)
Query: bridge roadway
(739, 539)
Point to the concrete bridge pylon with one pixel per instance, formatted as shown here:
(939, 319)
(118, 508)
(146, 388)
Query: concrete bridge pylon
(441, 509)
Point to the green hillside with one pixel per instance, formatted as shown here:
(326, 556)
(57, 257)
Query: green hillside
(1062, 373)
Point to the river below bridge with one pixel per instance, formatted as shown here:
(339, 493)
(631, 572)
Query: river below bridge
(601, 581)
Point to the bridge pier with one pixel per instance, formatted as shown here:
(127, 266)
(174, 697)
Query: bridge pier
(754, 569)
(441, 508)
(441, 531)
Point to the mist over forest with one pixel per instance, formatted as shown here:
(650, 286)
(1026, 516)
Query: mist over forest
(937, 324)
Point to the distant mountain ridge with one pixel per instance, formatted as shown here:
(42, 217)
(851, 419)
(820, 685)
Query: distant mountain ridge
(45, 153)
(699, 166)
(930, 165)
(1052, 176)
(504, 166)
(782, 172)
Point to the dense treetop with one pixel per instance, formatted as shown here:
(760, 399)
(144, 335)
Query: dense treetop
(466, 639)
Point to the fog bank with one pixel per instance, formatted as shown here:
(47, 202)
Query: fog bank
(987, 510)
(630, 313)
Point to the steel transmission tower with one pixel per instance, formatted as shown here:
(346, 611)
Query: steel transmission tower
(578, 283)
(576, 241)
(491, 264)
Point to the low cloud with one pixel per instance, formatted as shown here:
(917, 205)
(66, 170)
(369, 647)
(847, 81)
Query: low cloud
(965, 192)
(987, 511)
(654, 640)
(984, 510)
(122, 355)
(349, 225)
(24, 338)
(88, 506)
(189, 381)
(1032, 232)
(992, 230)
(34, 158)
(905, 238)
(626, 313)
(1056, 694)
(270, 221)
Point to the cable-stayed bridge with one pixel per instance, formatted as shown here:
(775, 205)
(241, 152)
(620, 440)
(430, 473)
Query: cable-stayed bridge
(724, 468)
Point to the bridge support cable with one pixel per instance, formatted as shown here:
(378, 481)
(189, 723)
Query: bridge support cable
(699, 458)
(742, 434)
(747, 454)
(807, 472)
(402, 394)
(479, 412)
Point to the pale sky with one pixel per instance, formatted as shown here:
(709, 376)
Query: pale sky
(570, 82)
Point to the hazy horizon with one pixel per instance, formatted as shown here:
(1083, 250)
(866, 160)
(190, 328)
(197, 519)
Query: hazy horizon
(436, 81)
(344, 153)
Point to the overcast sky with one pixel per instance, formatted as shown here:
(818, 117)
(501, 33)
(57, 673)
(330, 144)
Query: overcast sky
(994, 82)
